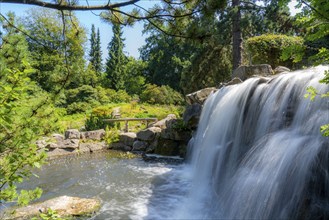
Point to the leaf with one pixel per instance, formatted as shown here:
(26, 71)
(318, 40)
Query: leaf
(37, 164)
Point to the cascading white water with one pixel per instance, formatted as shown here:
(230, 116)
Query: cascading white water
(258, 152)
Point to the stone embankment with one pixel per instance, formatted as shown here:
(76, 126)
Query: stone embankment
(168, 137)
(73, 142)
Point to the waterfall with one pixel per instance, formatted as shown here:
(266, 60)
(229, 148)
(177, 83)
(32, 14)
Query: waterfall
(258, 152)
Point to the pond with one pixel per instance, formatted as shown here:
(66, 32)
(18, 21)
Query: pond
(128, 188)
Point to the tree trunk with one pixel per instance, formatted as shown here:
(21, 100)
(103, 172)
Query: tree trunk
(237, 35)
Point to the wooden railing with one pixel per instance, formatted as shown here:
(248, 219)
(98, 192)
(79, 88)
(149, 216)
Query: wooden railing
(127, 120)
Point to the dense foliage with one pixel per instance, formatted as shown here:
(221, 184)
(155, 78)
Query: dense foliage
(165, 95)
(25, 114)
(268, 48)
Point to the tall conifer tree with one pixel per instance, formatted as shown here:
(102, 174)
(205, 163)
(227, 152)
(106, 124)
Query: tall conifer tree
(95, 54)
(115, 63)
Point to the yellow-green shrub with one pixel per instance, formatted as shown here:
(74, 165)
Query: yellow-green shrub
(268, 48)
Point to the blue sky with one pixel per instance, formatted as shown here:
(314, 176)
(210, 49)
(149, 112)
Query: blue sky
(133, 35)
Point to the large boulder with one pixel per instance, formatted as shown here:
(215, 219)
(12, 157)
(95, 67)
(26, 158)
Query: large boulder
(120, 146)
(234, 81)
(192, 114)
(200, 96)
(42, 143)
(65, 206)
(93, 135)
(127, 138)
(72, 134)
(66, 144)
(184, 136)
(245, 72)
(168, 134)
(92, 146)
(140, 145)
(167, 147)
(69, 143)
(148, 134)
(281, 69)
(163, 123)
(57, 137)
(54, 153)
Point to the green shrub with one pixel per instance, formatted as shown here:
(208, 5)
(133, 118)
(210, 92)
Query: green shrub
(86, 97)
(268, 48)
(121, 96)
(163, 95)
(105, 96)
(111, 135)
(83, 93)
(78, 107)
(95, 121)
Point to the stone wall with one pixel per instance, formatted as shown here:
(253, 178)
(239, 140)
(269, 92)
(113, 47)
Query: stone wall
(167, 137)
(73, 142)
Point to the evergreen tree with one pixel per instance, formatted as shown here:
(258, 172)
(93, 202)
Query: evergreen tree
(115, 63)
(95, 54)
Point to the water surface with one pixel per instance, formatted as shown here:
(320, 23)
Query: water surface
(128, 188)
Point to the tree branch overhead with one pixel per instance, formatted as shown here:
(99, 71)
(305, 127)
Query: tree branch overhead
(69, 7)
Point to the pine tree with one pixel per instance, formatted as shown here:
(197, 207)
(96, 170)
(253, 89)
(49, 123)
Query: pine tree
(95, 54)
(115, 63)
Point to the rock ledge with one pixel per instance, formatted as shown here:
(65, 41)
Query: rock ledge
(63, 205)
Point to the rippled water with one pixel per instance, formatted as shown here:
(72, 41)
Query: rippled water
(128, 188)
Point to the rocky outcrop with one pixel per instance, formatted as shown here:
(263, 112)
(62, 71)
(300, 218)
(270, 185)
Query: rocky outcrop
(92, 147)
(165, 137)
(163, 123)
(245, 72)
(281, 69)
(191, 115)
(140, 145)
(64, 206)
(128, 138)
(196, 100)
(72, 134)
(93, 135)
(120, 146)
(148, 134)
(234, 81)
(200, 96)
(73, 142)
